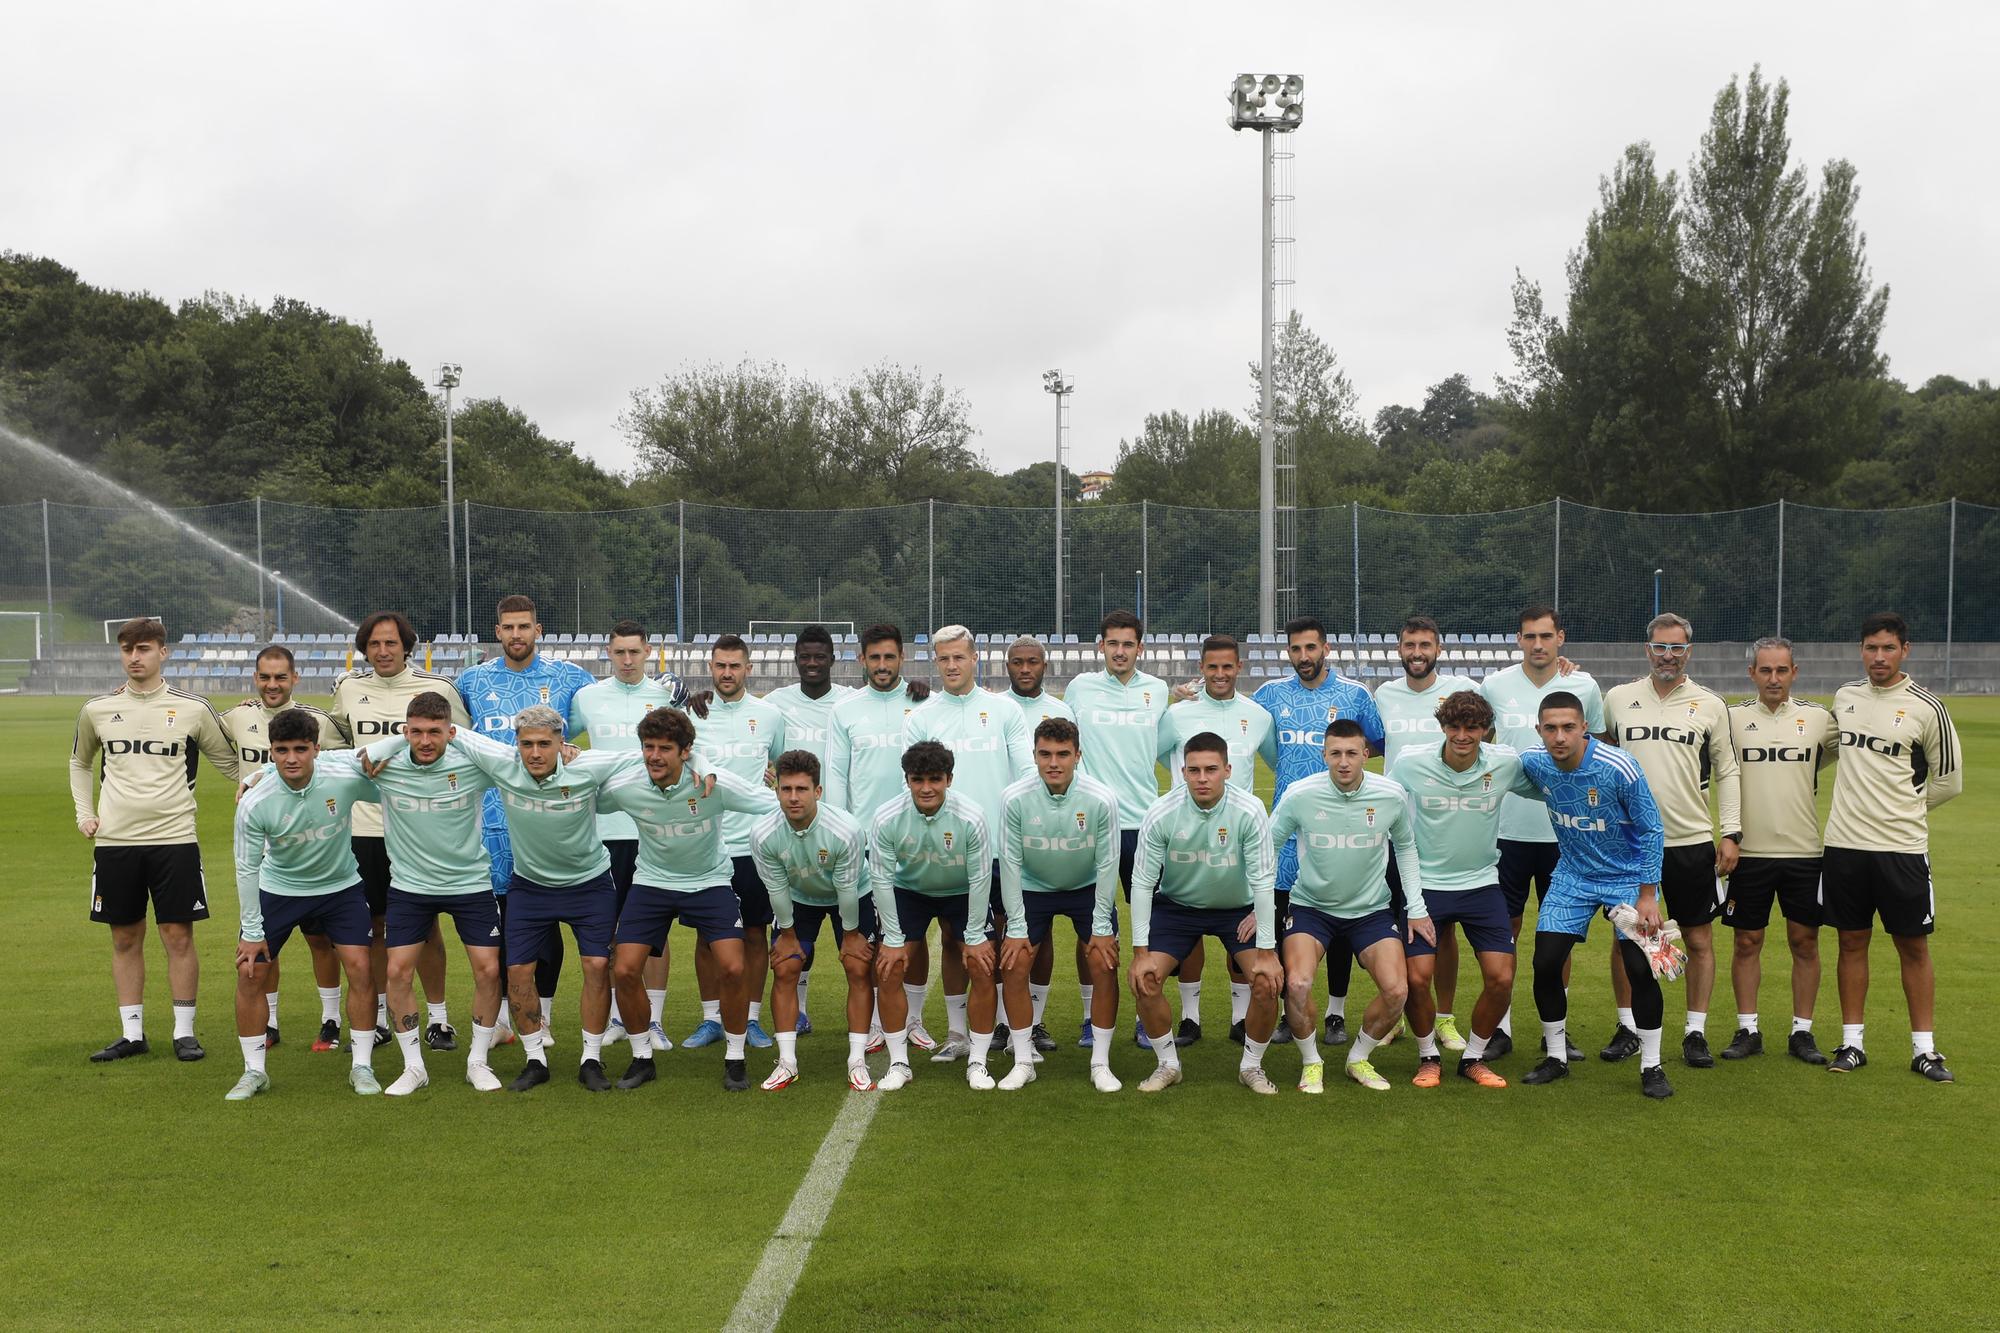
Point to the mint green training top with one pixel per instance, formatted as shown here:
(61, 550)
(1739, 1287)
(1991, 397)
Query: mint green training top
(551, 821)
(610, 710)
(744, 737)
(864, 750)
(1120, 726)
(431, 815)
(1458, 814)
(1217, 857)
(297, 842)
(818, 865)
(1058, 844)
(681, 844)
(1344, 844)
(939, 856)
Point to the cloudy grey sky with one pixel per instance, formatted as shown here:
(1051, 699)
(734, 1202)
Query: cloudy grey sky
(575, 200)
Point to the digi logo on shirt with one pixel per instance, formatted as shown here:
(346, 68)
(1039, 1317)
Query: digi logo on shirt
(1581, 823)
(685, 829)
(1113, 717)
(877, 740)
(536, 805)
(368, 726)
(417, 805)
(1036, 843)
(714, 750)
(1350, 841)
(1484, 805)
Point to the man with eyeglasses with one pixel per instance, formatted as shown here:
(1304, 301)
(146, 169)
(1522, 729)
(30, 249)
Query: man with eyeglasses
(1679, 733)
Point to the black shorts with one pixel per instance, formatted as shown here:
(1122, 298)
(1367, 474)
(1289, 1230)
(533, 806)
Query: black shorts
(625, 864)
(1792, 880)
(1861, 885)
(1128, 852)
(1522, 862)
(122, 879)
(751, 896)
(1688, 885)
(372, 855)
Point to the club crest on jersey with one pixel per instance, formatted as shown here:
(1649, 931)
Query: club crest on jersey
(1798, 722)
(1694, 710)
(1146, 697)
(451, 781)
(332, 806)
(1222, 835)
(565, 792)
(1082, 822)
(170, 717)
(1243, 725)
(1333, 712)
(1486, 782)
(947, 839)
(753, 726)
(545, 693)
(694, 806)
(1369, 816)
(824, 854)
(1897, 723)
(1590, 795)
(982, 718)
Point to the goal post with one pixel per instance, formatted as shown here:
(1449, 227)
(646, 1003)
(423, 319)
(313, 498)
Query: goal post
(21, 644)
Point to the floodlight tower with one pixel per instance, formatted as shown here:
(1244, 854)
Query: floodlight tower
(449, 375)
(1273, 104)
(1053, 381)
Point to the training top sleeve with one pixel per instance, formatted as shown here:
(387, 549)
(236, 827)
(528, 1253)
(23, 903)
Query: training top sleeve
(82, 754)
(1108, 839)
(249, 866)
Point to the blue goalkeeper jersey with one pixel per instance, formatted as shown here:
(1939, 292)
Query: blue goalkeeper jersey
(1299, 715)
(1604, 818)
(494, 694)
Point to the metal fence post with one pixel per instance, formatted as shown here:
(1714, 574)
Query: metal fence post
(48, 570)
(930, 565)
(1355, 505)
(1950, 588)
(1145, 558)
(263, 622)
(681, 575)
(466, 529)
(1557, 600)
(1779, 628)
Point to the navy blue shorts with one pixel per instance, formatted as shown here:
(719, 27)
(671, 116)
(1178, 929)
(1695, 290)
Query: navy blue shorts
(1358, 933)
(1482, 913)
(341, 916)
(807, 918)
(1521, 862)
(1079, 905)
(1128, 852)
(413, 915)
(751, 896)
(536, 912)
(712, 913)
(1176, 928)
(915, 912)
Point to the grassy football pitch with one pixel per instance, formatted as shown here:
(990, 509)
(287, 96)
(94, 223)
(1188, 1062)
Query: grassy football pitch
(1766, 1194)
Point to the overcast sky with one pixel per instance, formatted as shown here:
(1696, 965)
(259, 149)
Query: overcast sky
(575, 200)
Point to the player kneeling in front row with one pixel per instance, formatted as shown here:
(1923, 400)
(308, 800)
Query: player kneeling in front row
(1204, 867)
(1612, 842)
(295, 870)
(1345, 820)
(561, 876)
(809, 856)
(1456, 790)
(1059, 857)
(929, 862)
(684, 871)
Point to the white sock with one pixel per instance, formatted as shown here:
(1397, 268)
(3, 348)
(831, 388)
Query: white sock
(954, 1015)
(531, 1042)
(1087, 992)
(440, 1013)
(899, 1046)
(1039, 996)
(1850, 1035)
(593, 1047)
(1747, 1022)
(658, 1000)
(271, 1007)
(1921, 1043)
(381, 1010)
(1308, 1048)
(1555, 1038)
(1169, 1054)
(1191, 1001)
(1363, 1047)
(916, 995)
(982, 1042)
(788, 1048)
(1239, 1002)
(711, 1012)
(548, 1011)
(641, 1043)
(329, 1004)
(482, 1043)
(1336, 1004)
(857, 1048)
(1253, 1053)
(253, 1052)
(1427, 1045)
(1022, 1040)
(756, 1011)
(1649, 1048)
(413, 1049)
(1100, 1045)
(1506, 1023)
(732, 1043)
(363, 1044)
(506, 1018)
(1475, 1048)
(183, 1020)
(1697, 1021)
(616, 1021)
(132, 1021)
(875, 1012)
(1801, 1024)
(804, 977)
(1625, 1019)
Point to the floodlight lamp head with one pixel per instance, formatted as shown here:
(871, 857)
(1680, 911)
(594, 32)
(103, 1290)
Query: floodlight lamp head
(1251, 93)
(448, 375)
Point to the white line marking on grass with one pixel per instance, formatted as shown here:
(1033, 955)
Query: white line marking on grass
(770, 1287)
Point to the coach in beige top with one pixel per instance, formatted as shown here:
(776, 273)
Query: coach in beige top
(146, 737)
(1781, 745)
(1899, 760)
(1679, 733)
